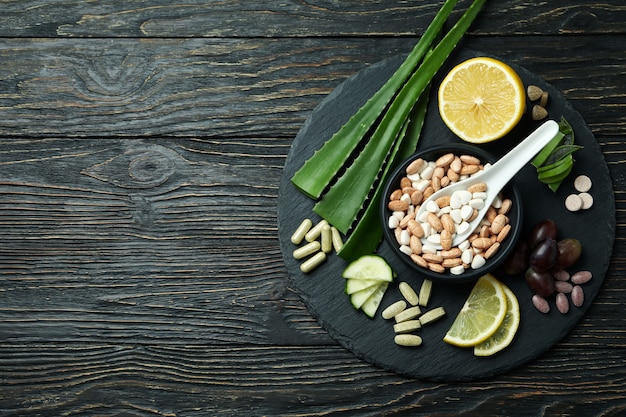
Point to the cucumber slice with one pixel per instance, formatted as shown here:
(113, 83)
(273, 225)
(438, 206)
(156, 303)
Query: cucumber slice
(369, 267)
(373, 302)
(354, 285)
(360, 297)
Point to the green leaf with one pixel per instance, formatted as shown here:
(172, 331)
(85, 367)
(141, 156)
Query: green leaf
(320, 170)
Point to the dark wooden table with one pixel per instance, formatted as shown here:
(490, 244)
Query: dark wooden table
(141, 148)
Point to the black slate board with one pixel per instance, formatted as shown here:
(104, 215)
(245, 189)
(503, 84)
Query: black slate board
(372, 339)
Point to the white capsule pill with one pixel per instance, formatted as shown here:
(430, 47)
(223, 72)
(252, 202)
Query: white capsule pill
(457, 270)
(408, 340)
(301, 231)
(306, 250)
(315, 231)
(406, 249)
(405, 237)
(476, 203)
(464, 245)
(393, 222)
(456, 216)
(466, 256)
(313, 262)
(326, 239)
(462, 228)
(466, 212)
(455, 201)
(432, 207)
(427, 172)
(394, 309)
(480, 194)
(408, 293)
(427, 248)
(478, 262)
(337, 240)
(434, 239)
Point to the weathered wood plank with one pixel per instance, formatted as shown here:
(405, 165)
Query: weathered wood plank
(148, 380)
(229, 18)
(250, 87)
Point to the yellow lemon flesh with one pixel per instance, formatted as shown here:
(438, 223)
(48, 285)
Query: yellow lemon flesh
(506, 332)
(481, 99)
(481, 315)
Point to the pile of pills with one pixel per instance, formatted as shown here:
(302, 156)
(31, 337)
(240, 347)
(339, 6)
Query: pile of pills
(427, 239)
(581, 200)
(317, 241)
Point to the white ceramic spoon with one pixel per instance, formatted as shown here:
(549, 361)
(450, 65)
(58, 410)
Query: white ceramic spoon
(496, 176)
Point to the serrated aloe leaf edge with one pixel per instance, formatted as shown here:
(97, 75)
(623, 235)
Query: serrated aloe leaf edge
(311, 179)
(345, 199)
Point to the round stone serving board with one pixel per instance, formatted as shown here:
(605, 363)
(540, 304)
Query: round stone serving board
(372, 339)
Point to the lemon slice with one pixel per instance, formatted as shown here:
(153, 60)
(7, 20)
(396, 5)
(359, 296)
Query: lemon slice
(481, 315)
(506, 332)
(481, 99)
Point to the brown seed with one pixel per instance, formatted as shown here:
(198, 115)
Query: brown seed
(451, 262)
(477, 188)
(561, 275)
(451, 253)
(439, 172)
(453, 175)
(446, 239)
(491, 214)
(506, 206)
(415, 243)
(443, 201)
(581, 277)
(395, 195)
(504, 233)
(539, 112)
(563, 286)
(428, 192)
(398, 205)
(415, 228)
(405, 220)
(448, 223)
(432, 258)
(408, 190)
(481, 243)
(562, 304)
(405, 182)
(484, 231)
(418, 260)
(415, 166)
(434, 222)
(469, 169)
(445, 181)
(469, 160)
(578, 295)
(498, 224)
(444, 160)
(541, 304)
(456, 165)
(492, 250)
(436, 268)
(534, 92)
(417, 197)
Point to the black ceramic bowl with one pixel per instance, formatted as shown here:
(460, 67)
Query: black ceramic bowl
(510, 191)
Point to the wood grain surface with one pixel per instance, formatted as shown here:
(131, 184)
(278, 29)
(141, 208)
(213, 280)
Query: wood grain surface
(141, 149)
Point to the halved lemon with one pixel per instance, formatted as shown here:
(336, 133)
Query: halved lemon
(481, 99)
(506, 332)
(481, 315)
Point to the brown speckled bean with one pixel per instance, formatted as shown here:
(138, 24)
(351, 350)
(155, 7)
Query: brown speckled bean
(563, 287)
(541, 304)
(562, 304)
(581, 277)
(578, 296)
(561, 275)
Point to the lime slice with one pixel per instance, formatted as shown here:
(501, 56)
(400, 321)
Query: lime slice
(481, 315)
(506, 332)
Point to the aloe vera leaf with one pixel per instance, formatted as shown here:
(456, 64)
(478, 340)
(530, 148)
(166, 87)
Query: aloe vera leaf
(367, 234)
(319, 170)
(543, 155)
(341, 204)
(561, 152)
